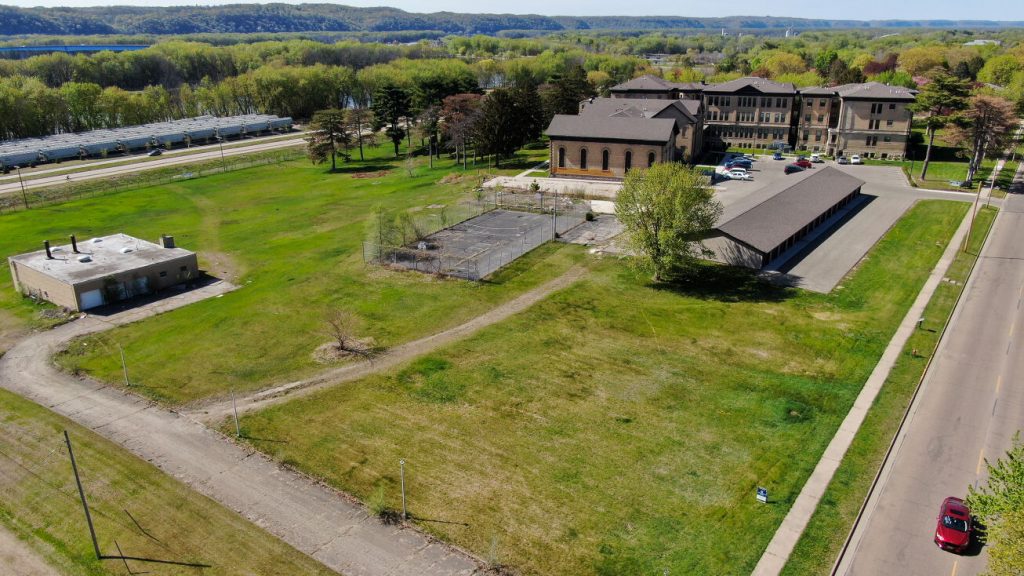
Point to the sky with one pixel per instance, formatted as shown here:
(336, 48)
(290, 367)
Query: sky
(854, 10)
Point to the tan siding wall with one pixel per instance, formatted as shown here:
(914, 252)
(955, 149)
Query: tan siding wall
(728, 251)
(34, 283)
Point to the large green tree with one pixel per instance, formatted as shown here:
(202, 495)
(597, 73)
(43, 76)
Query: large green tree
(329, 131)
(391, 104)
(508, 119)
(564, 94)
(999, 504)
(939, 101)
(987, 123)
(665, 209)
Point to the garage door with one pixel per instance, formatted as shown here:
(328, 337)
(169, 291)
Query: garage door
(91, 299)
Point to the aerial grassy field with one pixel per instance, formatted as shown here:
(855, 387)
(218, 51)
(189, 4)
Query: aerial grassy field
(824, 536)
(291, 236)
(146, 512)
(618, 427)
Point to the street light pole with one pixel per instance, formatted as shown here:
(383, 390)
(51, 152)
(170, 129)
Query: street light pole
(24, 196)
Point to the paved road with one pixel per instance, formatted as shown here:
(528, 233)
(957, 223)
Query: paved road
(303, 513)
(212, 154)
(970, 405)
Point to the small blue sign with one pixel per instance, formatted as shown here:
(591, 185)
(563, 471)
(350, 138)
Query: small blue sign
(762, 494)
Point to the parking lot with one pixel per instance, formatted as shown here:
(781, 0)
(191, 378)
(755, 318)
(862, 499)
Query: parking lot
(823, 258)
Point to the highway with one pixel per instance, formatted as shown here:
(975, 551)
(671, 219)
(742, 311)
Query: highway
(970, 405)
(213, 153)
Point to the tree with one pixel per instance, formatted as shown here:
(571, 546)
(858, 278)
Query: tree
(564, 94)
(329, 132)
(939, 100)
(1000, 506)
(508, 119)
(999, 69)
(664, 209)
(839, 73)
(360, 120)
(918, 60)
(458, 115)
(390, 104)
(987, 122)
(343, 326)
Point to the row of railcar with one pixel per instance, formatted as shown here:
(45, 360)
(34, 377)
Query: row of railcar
(96, 143)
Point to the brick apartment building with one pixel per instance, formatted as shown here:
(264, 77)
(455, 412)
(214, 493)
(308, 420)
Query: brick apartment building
(870, 119)
(749, 113)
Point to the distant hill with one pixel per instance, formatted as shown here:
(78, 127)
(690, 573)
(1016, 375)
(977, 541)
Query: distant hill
(272, 18)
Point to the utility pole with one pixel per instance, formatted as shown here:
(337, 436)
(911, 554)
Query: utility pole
(124, 367)
(24, 195)
(401, 464)
(238, 430)
(81, 493)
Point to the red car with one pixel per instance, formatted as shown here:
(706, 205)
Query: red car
(804, 163)
(953, 526)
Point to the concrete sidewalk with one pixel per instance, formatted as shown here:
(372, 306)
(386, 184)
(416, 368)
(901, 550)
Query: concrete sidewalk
(781, 546)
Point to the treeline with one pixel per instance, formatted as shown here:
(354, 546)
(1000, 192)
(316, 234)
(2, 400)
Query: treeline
(170, 64)
(257, 18)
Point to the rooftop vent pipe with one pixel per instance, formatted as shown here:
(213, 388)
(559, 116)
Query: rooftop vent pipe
(166, 241)
(46, 245)
(74, 244)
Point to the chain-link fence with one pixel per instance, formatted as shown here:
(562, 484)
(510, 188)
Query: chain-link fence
(479, 246)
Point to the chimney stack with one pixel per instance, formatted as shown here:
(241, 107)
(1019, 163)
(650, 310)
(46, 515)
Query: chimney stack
(74, 244)
(46, 245)
(166, 241)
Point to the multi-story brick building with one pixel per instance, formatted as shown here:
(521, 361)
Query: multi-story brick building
(750, 113)
(870, 119)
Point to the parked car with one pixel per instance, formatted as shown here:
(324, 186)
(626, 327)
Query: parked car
(953, 525)
(842, 160)
(855, 159)
(777, 156)
(804, 163)
(740, 174)
(156, 152)
(739, 163)
(816, 158)
(793, 168)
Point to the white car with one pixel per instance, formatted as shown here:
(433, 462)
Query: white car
(816, 158)
(855, 159)
(740, 174)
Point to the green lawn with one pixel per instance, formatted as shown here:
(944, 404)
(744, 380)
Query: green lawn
(819, 546)
(291, 236)
(618, 427)
(147, 513)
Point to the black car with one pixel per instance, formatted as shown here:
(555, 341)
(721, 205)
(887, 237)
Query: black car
(156, 152)
(793, 168)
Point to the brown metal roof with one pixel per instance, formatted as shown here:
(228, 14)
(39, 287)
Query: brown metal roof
(789, 205)
(874, 91)
(646, 83)
(598, 127)
(638, 107)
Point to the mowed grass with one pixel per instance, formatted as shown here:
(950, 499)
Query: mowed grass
(291, 237)
(618, 427)
(818, 548)
(146, 512)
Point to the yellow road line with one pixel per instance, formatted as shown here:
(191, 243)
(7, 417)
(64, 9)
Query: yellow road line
(981, 458)
(956, 563)
(999, 382)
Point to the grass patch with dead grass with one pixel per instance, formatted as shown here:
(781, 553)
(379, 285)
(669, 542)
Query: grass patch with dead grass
(619, 427)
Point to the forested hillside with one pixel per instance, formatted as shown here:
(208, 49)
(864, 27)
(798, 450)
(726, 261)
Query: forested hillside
(257, 18)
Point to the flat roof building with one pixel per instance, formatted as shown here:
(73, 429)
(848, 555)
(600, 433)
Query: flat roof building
(103, 270)
(754, 236)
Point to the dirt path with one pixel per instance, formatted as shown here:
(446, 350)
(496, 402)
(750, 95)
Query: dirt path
(18, 559)
(217, 411)
(304, 513)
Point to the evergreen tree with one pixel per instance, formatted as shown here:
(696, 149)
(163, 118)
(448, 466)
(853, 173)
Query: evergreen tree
(329, 132)
(390, 104)
(940, 100)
